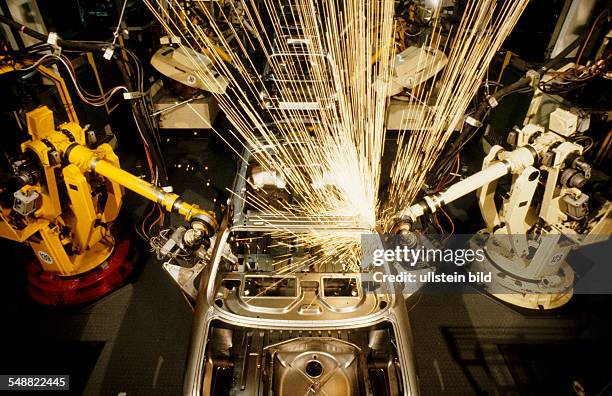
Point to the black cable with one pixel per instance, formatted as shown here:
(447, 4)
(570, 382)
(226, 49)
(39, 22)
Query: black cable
(477, 117)
(6, 11)
(526, 81)
(139, 105)
(69, 44)
(145, 112)
(151, 139)
(147, 133)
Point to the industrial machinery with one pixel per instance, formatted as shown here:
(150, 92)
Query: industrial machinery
(297, 60)
(177, 64)
(67, 193)
(259, 329)
(269, 321)
(277, 311)
(182, 86)
(543, 215)
(414, 66)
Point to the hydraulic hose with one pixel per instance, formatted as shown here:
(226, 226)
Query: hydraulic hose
(68, 44)
(476, 118)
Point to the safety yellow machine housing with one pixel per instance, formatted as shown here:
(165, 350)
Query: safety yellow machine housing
(68, 226)
(65, 211)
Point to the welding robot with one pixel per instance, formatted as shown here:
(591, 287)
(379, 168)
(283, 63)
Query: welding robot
(62, 198)
(532, 227)
(66, 191)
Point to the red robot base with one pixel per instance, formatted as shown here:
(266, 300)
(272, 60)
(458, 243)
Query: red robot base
(51, 289)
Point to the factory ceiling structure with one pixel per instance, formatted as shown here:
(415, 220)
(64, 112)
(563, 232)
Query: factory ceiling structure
(306, 197)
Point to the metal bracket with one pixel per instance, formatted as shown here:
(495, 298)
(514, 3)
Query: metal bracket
(185, 277)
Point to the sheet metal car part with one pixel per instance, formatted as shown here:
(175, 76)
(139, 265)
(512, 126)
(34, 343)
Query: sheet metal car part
(310, 313)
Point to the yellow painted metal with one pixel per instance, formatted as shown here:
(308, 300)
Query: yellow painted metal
(59, 82)
(40, 123)
(6, 69)
(71, 237)
(50, 251)
(95, 160)
(114, 190)
(63, 91)
(92, 62)
(505, 64)
(82, 206)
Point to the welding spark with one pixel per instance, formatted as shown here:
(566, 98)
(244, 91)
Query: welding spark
(333, 55)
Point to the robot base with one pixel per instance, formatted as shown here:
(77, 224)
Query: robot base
(526, 293)
(535, 301)
(51, 289)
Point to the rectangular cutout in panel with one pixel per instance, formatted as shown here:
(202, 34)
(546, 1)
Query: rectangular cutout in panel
(340, 287)
(269, 286)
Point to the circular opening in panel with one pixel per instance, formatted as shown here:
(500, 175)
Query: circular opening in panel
(314, 369)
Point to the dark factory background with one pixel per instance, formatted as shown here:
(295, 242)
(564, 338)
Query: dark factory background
(136, 339)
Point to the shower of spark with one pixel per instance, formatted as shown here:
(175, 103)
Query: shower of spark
(483, 28)
(330, 155)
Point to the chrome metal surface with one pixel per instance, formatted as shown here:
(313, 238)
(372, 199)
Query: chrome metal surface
(262, 330)
(324, 366)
